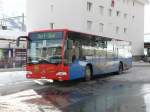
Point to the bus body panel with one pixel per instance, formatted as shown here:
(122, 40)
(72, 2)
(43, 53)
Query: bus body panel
(47, 71)
(103, 66)
(127, 63)
(99, 66)
(77, 70)
(103, 59)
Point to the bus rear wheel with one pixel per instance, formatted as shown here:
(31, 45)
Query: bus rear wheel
(120, 69)
(88, 73)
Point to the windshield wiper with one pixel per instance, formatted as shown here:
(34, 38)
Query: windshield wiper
(43, 61)
(57, 59)
(32, 63)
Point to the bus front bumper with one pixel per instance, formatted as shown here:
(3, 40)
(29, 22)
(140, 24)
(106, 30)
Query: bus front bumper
(57, 76)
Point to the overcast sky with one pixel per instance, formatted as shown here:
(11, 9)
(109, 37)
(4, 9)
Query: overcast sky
(17, 7)
(12, 7)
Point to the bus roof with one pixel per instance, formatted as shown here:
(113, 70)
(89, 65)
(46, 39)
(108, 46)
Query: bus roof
(68, 30)
(49, 30)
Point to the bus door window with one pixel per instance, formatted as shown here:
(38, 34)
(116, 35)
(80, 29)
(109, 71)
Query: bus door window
(81, 57)
(110, 49)
(115, 49)
(121, 49)
(75, 49)
(68, 54)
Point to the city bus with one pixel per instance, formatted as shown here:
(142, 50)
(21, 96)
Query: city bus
(63, 54)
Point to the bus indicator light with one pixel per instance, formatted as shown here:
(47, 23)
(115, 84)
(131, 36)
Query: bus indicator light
(61, 74)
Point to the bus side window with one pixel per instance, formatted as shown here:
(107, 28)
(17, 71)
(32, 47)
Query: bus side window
(110, 49)
(75, 50)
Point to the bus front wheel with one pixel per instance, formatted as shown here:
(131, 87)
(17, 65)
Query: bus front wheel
(88, 73)
(120, 69)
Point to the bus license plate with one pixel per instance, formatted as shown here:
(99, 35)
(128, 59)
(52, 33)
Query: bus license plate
(43, 77)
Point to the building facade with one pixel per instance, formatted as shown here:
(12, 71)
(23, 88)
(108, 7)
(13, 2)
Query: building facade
(11, 56)
(147, 44)
(121, 19)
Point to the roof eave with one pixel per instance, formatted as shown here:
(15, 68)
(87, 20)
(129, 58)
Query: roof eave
(144, 2)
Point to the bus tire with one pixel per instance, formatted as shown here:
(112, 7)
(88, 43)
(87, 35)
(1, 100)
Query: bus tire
(120, 68)
(88, 73)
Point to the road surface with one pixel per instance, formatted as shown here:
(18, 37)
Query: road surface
(129, 92)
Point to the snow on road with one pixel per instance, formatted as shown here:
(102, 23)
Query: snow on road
(18, 103)
(8, 78)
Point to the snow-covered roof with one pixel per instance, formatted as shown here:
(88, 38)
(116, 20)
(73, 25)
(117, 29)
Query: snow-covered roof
(143, 1)
(7, 34)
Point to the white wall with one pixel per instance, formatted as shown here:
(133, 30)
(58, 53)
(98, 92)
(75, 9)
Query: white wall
(137, 34)
(72, 14)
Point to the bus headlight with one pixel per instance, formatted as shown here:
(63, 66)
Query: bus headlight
(61, 73)
(29, 72)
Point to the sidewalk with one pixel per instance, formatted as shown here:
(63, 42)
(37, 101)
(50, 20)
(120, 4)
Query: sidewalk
(12, 77)
(140, 63)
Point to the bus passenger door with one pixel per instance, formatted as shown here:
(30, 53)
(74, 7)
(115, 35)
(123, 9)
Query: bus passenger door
(76, 69)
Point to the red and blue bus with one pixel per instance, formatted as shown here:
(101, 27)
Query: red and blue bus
(62, 54)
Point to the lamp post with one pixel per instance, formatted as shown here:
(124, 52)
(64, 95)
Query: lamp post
(11, 53)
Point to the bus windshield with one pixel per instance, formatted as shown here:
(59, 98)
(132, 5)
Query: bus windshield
(45, 48)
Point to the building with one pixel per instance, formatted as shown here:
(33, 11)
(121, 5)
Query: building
(15, 23)
(121, 19)
(147, 44)
(11, 55)
(10, 29)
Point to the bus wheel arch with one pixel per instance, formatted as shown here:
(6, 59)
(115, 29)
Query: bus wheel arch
(120, 68)
(88, 72)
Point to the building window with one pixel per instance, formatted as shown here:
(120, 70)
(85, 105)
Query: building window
(89, 6)
(101, 8)
(118, 0)
(117, 13)
(123, 1)
(125, 15)
(51, 8)
(51, 25)
(133, 17)
(101, 27)
(133, 3)
(112, 3)
(89, 25)
(125, 30)
(110, 12)
(117, 29)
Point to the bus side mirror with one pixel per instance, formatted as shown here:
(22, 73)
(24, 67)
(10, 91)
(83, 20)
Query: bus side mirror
(19, 39)
(69, 44)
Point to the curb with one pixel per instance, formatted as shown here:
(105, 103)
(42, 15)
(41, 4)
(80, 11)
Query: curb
(11, 69)
(140, 64)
